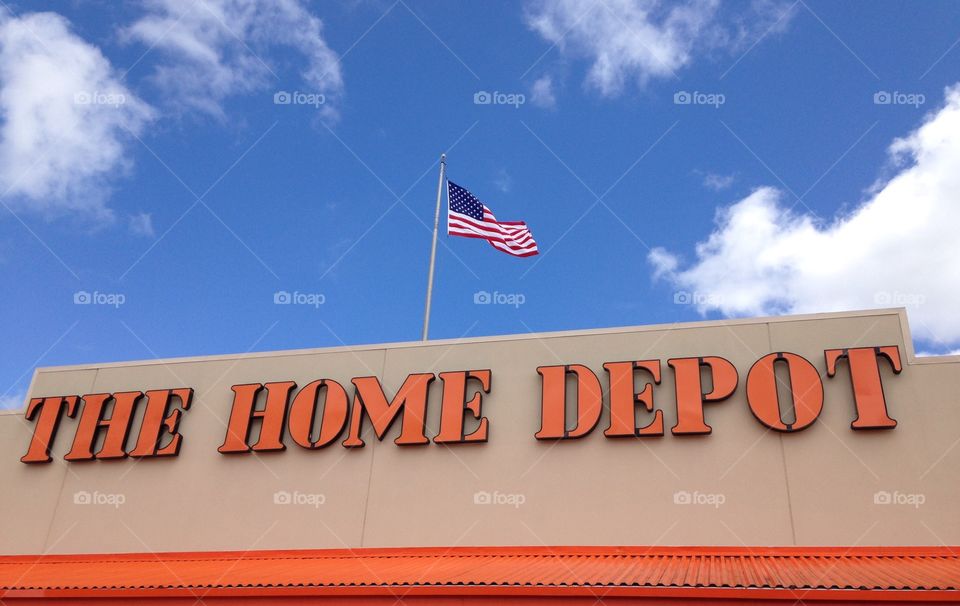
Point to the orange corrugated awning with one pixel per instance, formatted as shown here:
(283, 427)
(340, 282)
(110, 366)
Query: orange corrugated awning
(591, 573)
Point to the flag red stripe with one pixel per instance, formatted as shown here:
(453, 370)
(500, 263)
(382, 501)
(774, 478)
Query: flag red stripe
(511, 237)
(486, 225)
(469, 234)
(512, 245)
(487, 229)
(531, 246)
(519, 251)
(528, 253)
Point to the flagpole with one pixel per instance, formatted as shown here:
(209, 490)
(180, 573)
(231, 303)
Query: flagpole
(433, 248)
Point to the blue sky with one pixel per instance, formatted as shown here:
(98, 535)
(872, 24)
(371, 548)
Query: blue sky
(145, 162)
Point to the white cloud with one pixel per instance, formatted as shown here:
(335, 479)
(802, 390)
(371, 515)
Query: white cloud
(65, 118)
(718, 182)
(930, 354)
(898, 248)
(503, 180)
(636, 40)
(764, 18)
(541, 93)
(213, 49)
(141, 224)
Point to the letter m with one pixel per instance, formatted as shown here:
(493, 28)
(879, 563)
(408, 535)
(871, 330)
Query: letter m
(410, 402)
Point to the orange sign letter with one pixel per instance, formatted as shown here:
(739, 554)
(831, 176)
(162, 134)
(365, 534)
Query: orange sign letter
(411, 400)
(806, 390)
(690, 396)
(303, 413)
(867, 386)
(48, 419)
(623, 400)
(454, 403)
(157, 420)
(244, 411)
(553, 403)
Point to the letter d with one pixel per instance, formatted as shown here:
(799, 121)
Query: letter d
(553, 411)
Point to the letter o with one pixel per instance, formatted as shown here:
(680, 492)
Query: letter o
(303, 411)
(806, 389)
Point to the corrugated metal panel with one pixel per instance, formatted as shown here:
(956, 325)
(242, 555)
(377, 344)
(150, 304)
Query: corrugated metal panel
(682, 567)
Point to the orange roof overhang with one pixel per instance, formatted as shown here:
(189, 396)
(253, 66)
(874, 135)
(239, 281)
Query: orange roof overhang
(479, 575)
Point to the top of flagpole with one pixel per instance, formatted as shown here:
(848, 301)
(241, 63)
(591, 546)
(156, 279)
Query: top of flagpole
(433, 248)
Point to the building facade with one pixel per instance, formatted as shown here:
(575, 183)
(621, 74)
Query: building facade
(801, 458)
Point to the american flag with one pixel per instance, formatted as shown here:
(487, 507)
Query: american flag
(470, 218)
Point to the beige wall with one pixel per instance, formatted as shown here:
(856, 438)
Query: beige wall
(815, 487)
